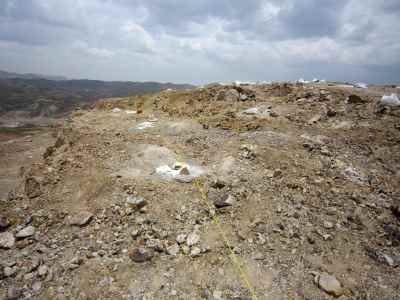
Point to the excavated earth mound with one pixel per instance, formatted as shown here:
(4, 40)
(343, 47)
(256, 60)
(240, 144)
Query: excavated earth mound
(133, 197)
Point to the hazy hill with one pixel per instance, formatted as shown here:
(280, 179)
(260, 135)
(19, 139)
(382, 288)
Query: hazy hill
(9, 75)
(42, 97)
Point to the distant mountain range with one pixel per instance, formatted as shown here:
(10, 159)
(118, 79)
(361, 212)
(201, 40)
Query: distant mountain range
(10, 75)
(32, 95)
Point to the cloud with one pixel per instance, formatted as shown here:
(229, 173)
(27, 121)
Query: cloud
(92, 51)
(204, 40)
(139, 39)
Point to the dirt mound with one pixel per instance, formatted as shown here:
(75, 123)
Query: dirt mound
(284, 191)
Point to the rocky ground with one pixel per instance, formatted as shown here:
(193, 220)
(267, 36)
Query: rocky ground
(138, 198)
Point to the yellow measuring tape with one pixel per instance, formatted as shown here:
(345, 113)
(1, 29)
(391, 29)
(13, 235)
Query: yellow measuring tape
(232, 254)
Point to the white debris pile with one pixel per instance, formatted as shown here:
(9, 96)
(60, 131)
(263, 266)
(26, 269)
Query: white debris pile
(355, 176)
(252, 111)
(361, 85)
(130, 112)
(392, 100)
(262, 112)
(116, 110)
(180, 172)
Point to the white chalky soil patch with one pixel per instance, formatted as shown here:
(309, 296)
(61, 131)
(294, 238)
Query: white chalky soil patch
(156, 162)
(170, 173)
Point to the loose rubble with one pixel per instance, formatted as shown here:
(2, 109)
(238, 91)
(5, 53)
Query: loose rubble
(7, 240)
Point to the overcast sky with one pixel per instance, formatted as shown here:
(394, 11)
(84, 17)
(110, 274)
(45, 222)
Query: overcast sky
(201, 41)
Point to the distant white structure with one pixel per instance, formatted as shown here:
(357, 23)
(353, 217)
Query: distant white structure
(238, 83)
(301, 80)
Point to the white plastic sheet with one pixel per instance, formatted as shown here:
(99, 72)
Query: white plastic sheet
(392, 100)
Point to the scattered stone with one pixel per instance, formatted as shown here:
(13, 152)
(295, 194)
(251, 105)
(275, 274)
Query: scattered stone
(33, 265)
(4, 223)
(75, 263)
(328, 283)
(310, 239)
(192, 239)
(32, 187)
(11, 196)
(248, 151)
(29, 276)
(80, 219)
(173, 250)
(218, 183)
(136, 202)
(13, 293)
(10, 271)
(252, 111)
(328, 225)
(37, 286)
(184, 171)
(195, 252)
(355, 176)
(141, 254)
(224, 201)
(26, 232)
(135, 233)
(185, 249)
(258, 256)
(314, 119)
(389, 260)
(73, 266)
(277, 173)
(7, 240)
(330, 112)
(42, 271)
(180, 239)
